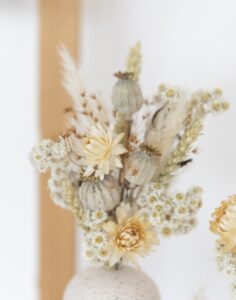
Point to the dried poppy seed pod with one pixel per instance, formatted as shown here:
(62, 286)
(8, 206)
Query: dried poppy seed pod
(127, 96)
(98, 194)
(141, 167)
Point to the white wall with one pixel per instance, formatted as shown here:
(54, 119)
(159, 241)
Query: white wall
(190, 43)
(18, 98)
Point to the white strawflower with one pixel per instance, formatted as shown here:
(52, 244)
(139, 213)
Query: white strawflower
(102, 150)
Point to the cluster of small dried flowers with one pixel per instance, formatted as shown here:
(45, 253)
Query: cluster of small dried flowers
(170, 214)
(46, 153)
(112, 171)
(226, 261)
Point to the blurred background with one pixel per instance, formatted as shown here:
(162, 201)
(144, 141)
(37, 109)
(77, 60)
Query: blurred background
(185, 42)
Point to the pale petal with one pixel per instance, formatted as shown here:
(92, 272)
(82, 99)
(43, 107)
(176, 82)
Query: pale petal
(122, 214)
(115, 257)
(118, 138)
(89, 171)
(119, 149)
(110, 227)
(105, 166)
(132, 258)
(99, 174)
(118, 163)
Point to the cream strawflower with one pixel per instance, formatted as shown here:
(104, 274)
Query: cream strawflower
(102, 150)
(224, 224)
(130, 236)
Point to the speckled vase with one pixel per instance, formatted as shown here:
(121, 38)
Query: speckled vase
(126, 283)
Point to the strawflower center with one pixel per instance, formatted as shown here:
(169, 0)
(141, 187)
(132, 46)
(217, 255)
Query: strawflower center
(130, 237)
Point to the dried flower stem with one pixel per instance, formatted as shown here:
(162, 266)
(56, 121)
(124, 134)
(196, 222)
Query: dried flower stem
(127, 128)
(69, 150)
(192, 131)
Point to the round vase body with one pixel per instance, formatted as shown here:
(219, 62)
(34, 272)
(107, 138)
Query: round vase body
(99, 284)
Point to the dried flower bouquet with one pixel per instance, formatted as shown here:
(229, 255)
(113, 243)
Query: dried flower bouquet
(113, 170)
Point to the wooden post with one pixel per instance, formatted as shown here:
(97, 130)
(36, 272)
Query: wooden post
(58, 24)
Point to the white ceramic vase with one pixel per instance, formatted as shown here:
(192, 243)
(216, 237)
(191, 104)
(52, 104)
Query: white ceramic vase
(127, 283)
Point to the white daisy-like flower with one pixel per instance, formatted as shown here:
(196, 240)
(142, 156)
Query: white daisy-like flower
(102, 150)
(46, 154)
(195, 203)
(89, 253)
(87, 219)
(151, 200)
(103, 253)
(181, 211)
(155, 217)
(98, 239)
(58, 169)
(144, 212)
(59, 149)
(98, 216)
(167, 232)
(41, 155)
(185, 226)
(142, 201)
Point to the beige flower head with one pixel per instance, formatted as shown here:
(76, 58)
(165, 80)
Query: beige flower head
(102, 150)
(130, 237)
(224, 224)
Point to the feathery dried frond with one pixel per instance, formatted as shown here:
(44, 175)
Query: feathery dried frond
(180, 152)
(134, 60)
(71, 79)
(166, 124)
(88, 109)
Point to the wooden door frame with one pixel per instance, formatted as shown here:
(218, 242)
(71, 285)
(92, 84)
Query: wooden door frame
(58, 23)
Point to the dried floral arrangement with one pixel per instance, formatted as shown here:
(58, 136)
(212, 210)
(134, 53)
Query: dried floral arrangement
(113, 170)
(224, 226)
